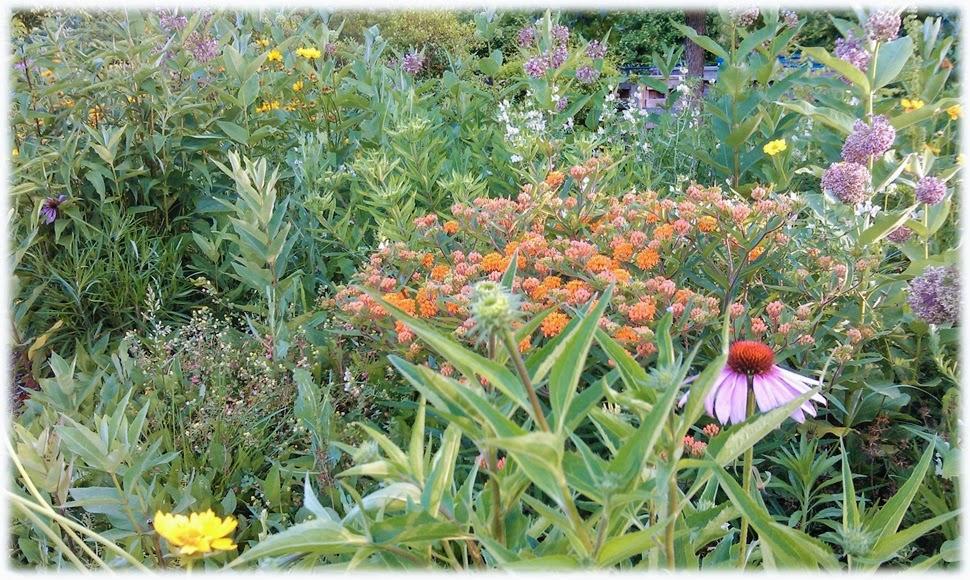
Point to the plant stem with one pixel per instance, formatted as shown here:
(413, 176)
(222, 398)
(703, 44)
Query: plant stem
(671, 512)
(516, 357)
(746, 480)
(498, 529)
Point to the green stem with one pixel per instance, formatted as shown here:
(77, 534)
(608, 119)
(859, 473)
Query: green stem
(516, 357)
(671, 512)
(746, 481)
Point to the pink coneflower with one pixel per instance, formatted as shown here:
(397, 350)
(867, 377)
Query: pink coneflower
(48, 209)
(752, 362)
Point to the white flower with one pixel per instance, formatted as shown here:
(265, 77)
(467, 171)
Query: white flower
(515, 158)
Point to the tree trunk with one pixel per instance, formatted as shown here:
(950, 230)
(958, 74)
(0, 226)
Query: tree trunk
(696, 19)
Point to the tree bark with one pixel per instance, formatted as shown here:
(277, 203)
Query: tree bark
(696, 19)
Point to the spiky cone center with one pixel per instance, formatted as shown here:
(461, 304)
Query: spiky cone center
(750, 357)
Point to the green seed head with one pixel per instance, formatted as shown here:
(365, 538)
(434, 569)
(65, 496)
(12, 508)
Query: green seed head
(493, 308)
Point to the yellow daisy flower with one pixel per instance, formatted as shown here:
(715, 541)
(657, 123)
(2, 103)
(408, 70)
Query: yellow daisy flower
(910, 105)
(775, 147)
(308, 53)
(298, 86)
(198, 533)
(955, 111)
(275, 56)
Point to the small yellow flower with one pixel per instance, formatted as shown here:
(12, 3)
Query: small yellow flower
(298, 86)
(934, 149)
(775, 147)
(955, 111)
(268, 106)
(910, 105)
(262, 42)
(16, 152)
(308, 53)
(198, 533)
(274, 56)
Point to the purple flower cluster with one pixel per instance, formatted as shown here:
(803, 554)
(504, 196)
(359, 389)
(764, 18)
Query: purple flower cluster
(560, 34)
(587, 75)
(868, 141)
(847, 181)
(203, 47)
(413, 62)
(790, 17)
(883, 25)
(900, 235)
(558, 56)
(930, 190)
(744, 17)
(169, 21)
(330, 49)
(527, 37)
(595, 49)
(561, 104)
(48, 209)
(535, 67)
(851, 50)
(934, 296)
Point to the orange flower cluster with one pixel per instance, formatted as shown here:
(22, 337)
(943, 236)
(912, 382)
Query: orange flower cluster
(567, 254)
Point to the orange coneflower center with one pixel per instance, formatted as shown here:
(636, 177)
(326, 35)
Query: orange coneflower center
(750, 357)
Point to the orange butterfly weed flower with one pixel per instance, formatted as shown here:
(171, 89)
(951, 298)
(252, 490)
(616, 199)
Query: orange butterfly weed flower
(643, 311)
(647, 259)
(554, 323)
(450, 227)
(623, 251)
(707, 224)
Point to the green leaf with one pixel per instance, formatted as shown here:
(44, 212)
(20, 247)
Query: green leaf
(234, 131)
(442, 470)
(882, 226)
(789, 548)
(904, 120)
(703, 41)
(890, 60)
(886, 548)
(621, 548)
(886, 521)
(850, 72)
(637, 449)
(313, 537)
(567, 370)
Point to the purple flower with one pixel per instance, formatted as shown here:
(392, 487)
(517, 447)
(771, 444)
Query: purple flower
(558, 56)
(790, 17)
(587, 75)
(744, 17)
(169, 21)
(561, 104)
(851, 50)
(883, 25)
(867, 141)
(847, 181)
(930, 190)
(535, 67)
(48, 209)
(595, 49)
(203, 47)
(330, 49)
(23, 64)
(753, 363)
(900, 235)
(527, 37)
(934, 296)
(412, 62)
(561, 34)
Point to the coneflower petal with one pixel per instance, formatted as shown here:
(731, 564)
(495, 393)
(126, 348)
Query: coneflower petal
(725, 398)
(802, 386)
(762, 397)
(793, 391)
(739, 400)
(712, 395)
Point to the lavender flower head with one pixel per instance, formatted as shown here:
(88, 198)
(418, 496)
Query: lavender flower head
(900, 235)
(934, 296)
(560, 34)
(790, 17)
(595, 49)
(330, 49)
(849, 182)
(561, 104)
(535, 67)
(744, 17)
(930, 190)
(48, 209)
(587, 75)
(203, 47)
(883, 25)
(412, 62)
(169, 21)
(527, 37)
(867, 141)
(558, 56)
(851, 50)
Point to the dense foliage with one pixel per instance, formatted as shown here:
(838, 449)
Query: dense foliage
(421, 290)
